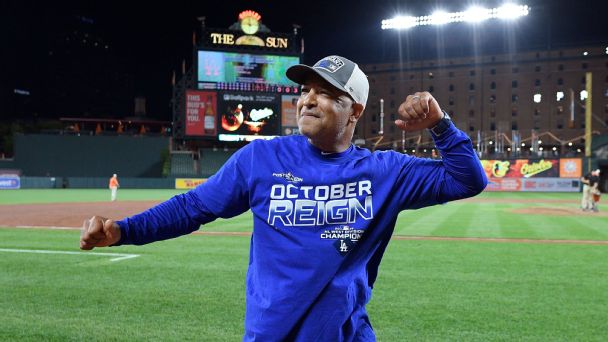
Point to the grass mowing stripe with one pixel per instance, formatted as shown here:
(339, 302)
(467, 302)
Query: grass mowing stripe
(485, 221)
(445, 226)
(421, 222)
(570, 228)
(517, 225)
(410, 222)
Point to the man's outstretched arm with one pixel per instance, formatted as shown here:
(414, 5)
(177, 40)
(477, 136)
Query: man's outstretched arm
(225, 194)
(178, 216)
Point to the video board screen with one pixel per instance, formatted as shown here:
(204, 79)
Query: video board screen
(245, 72)
(248, 116)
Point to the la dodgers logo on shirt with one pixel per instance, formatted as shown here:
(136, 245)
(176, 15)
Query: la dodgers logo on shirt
(331, 64)
(346, 237)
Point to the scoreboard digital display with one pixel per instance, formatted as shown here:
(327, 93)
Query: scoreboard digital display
(245, 72)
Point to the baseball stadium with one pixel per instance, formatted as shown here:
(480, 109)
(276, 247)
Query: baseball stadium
(524, 260)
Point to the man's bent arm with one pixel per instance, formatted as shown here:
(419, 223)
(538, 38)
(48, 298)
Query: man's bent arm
(464, 175)
(457, 175)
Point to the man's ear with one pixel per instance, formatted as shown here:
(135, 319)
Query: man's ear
(357, 112)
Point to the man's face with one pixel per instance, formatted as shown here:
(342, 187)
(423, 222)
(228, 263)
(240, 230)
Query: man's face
(323, 111)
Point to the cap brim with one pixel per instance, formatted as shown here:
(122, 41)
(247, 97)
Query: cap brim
(300, 73)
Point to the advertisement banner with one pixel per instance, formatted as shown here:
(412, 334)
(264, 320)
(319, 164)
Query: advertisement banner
(247, 116)
(10, 182)
(289, 121)
(550, 184)
(571, 168)
(188, 183)
(534, 184)
(201, 109)
(521, 168)
(504, 184)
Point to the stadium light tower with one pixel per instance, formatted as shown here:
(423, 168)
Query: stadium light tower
(475, 14)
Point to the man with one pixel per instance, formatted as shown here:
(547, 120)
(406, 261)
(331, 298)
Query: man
(590, 187)
(323, 209)
(113, 186)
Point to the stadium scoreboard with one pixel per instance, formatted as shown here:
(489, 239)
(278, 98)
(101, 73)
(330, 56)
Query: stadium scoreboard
(239, 91)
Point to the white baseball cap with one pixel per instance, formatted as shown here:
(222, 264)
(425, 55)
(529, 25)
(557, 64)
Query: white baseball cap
(340, 72)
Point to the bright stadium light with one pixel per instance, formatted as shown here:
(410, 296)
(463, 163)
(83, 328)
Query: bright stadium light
(474, 14)
(511, 11)
(583, 95)
(402, 22)
(559, 95)
(440, 18)
(537, 98)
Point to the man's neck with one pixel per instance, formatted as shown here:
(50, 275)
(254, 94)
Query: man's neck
(333, 147)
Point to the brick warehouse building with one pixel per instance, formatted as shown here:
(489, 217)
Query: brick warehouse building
(487, 96)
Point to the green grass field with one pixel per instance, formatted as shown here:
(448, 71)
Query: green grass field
(192, 288)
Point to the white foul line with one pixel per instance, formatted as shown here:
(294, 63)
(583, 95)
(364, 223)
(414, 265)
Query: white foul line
(119, 256)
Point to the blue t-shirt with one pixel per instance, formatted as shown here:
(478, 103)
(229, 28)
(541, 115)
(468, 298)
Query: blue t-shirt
(321, 223)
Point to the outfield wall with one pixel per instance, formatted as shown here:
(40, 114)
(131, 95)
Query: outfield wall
(95, 182)
(7, 164)
(40, 155)
(541, 175)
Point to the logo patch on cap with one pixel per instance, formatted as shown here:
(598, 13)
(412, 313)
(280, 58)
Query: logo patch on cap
(331, 64)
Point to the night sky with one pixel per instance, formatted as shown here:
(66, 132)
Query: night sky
(148, 41)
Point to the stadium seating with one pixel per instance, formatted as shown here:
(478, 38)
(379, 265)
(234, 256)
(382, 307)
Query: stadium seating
(182, 165)
(212, 160)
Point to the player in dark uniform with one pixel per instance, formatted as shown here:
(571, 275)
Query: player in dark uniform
(323, 209)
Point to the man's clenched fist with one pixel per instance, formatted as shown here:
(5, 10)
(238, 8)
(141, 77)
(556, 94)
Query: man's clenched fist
(98, 232)
(419, 111)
